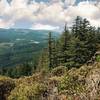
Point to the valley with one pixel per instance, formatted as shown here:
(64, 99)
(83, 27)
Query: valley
(18, 46)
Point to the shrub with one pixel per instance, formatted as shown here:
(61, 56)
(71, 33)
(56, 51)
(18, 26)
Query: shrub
(28, 92)
(71, 85)
(59, 71)
(6, 85)
(98, 58)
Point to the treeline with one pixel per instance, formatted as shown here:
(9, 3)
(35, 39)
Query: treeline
(74, 48)
(25, 69)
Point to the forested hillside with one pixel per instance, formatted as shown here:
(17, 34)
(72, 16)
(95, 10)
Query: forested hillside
(68, 68)
(75, 47)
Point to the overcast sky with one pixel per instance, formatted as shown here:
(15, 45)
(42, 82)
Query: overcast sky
(47, 14)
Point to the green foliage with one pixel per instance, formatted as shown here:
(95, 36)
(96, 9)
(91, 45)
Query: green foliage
(17, 47)
(6, 85)
(15, 72)
(48, 57)
(71, 85)
(75, 47)
(98, 58)
(59, 71)
(43, 61)
(28, 92)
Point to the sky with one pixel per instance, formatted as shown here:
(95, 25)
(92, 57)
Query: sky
(47, 14)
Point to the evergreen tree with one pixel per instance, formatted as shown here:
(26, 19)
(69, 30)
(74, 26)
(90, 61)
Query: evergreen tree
(64, 45)
(50, 50)
(85, 46)
(98, 35)
(76, 27)
(91, 38)
(74, 47)
(43, 60)
(48, 58)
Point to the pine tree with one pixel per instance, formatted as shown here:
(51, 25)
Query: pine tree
(74, 47)
(86, 38)
(98, 34)
(76, 27)
(52, 52)
(43, 60)
(64, 45)
(91, 41)
(48, 58)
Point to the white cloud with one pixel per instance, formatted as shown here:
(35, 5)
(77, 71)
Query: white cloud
(70, 2)
(49, 15)
(85, 10)
(44, 27)
(5, 24)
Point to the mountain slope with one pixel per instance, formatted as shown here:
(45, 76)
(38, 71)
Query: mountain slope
(60, 84)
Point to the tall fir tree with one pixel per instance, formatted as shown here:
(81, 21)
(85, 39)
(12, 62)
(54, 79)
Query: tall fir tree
(48, 58)
(50, 41)
(52, 52)
(74, 47)
(86, 38)
(43, 60)
(64, 45)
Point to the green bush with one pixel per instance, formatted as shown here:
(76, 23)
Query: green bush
(59, 71)
(98, 58)
(27, 92)
(6, 85)
(71, 85)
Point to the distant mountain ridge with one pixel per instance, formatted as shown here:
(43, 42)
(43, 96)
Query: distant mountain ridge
(13, 34)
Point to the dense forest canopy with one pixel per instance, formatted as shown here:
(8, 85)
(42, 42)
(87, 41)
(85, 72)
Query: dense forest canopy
(75, 47)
